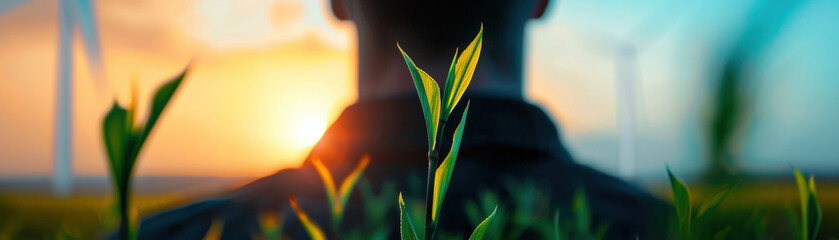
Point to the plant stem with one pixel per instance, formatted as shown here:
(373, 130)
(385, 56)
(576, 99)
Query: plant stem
(433, 163)
(123, 195)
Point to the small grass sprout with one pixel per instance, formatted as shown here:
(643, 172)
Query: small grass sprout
(811, 211)
(684, 211)
(124, 138)
(336, 195)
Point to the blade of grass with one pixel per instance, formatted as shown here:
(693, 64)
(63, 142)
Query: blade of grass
(814, 210)
(349, 183)
(681, 199)
(328, 183)
(406, 228)
(312, 228)
(443, 175)
(481, 230)
(803, 194)
(711, 204)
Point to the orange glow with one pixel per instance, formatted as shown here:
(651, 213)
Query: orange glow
(308, 129)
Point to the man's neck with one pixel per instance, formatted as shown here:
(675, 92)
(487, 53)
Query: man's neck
(383, 73)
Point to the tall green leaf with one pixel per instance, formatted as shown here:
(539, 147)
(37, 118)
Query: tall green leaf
(458, 80)
(715, 200)
(681, 199)
(481, 230)
(406, 228)
(442, 178)
(429, 94)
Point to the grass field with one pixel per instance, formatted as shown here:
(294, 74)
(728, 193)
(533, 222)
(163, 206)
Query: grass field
(40, 216)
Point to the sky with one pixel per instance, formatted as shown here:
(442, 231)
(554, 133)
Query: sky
(258, 95)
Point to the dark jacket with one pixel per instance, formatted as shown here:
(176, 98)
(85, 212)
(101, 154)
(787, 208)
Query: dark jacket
(504, 140)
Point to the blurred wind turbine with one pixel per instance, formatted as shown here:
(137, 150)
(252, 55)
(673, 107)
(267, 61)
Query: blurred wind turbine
(71, 14)
(625, 50)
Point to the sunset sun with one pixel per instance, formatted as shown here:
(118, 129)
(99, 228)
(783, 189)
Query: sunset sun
(307, 129)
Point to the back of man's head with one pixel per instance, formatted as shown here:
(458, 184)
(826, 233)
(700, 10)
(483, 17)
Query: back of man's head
(443, 23)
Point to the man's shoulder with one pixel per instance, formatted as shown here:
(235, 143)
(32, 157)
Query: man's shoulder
(187, 222)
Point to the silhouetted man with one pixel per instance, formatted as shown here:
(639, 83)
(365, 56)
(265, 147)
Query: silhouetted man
(505, 137)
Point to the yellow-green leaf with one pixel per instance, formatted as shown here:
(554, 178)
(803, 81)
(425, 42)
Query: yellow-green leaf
(443, 175)
(457, 82)
(681, 199)
(406, 228)
(803, 194)
(481, 230)
(328, 182)
(429, 94)
(349, 183)
(314, 230)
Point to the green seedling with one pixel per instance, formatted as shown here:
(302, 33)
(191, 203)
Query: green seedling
(684, 211)
(436, 112)
(811, 211)
(124, 138)
(337, 196)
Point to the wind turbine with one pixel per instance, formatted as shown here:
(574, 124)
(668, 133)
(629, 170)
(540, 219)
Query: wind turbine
(72, 14)
(625, 50)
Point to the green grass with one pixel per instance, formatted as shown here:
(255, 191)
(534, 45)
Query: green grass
(29, 216)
